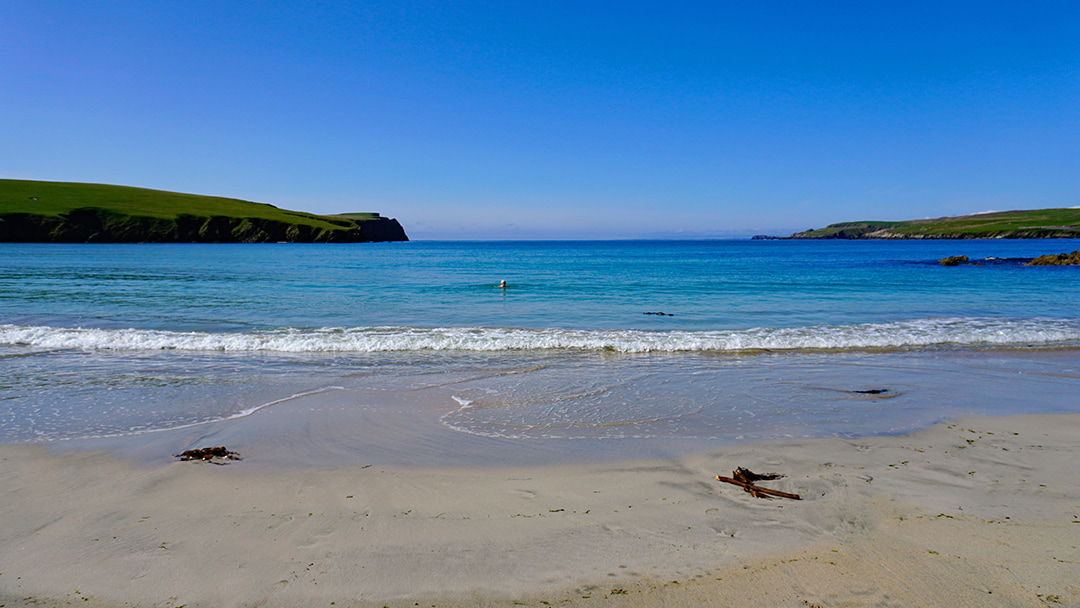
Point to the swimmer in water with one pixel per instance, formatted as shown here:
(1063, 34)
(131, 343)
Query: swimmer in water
(502, 284)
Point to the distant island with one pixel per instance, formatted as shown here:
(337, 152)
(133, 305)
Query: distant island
(1031, 224)
(64, 212)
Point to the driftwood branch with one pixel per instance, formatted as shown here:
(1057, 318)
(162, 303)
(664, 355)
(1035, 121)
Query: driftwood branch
(744, 478)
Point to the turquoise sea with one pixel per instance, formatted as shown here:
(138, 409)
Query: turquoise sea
(758, 339)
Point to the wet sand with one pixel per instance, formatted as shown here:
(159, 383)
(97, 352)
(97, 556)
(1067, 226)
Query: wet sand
(973, 512)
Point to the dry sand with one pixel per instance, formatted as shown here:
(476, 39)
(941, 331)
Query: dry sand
(975, 512)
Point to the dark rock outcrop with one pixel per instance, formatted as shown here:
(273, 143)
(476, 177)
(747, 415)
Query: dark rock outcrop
(953, 260)
(1059, 259)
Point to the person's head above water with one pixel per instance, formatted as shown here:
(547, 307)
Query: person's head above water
(502, 284)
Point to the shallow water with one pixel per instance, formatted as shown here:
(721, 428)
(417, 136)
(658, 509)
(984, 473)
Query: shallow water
(758, 340)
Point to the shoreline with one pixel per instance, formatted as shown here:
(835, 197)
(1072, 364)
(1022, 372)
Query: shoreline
(678, 406)
(967, 512)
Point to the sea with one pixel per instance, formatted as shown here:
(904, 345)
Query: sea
(617, 344)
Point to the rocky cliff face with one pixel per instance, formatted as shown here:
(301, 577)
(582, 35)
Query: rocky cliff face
(870, 232)
(90, 225)
(1022, 224)
(382, 229)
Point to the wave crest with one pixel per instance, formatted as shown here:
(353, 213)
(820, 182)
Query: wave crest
(900, 334)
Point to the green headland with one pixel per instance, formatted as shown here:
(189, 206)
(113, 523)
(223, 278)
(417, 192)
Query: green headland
(64, 212)
(1029, 224)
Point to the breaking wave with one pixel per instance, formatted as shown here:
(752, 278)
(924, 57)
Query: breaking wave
(955, 332)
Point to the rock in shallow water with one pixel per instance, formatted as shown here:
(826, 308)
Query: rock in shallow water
(1060, 259)
(954, 260)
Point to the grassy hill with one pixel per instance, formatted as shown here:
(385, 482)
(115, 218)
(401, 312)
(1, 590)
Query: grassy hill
(1030, 224)
(73, 212)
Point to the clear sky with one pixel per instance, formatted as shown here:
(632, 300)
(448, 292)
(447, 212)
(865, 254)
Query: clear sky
(554, 119)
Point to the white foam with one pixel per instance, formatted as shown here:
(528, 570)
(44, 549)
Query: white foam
(902, 334)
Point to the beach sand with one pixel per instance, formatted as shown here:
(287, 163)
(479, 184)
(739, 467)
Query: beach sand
(973, 512)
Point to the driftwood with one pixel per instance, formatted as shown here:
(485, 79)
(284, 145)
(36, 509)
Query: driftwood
(748, 476)
(209, 454)
(745, 479)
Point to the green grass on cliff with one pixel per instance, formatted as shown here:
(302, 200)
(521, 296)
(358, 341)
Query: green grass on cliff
(993, 223)
(847, 229)
(984, 225)
(57, 198)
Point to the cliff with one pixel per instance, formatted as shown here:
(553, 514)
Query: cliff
(1028, 224)
(62, 212)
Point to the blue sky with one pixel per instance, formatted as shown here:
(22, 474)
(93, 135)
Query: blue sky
(481, 120)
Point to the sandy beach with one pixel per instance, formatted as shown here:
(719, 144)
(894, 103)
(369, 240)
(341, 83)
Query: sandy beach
(973, 512)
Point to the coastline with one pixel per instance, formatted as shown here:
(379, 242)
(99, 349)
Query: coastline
(968, 512)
